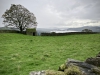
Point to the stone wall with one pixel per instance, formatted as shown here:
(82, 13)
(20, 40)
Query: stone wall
(62, 34)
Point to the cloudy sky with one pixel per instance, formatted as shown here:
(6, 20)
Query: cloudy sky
(59, 13)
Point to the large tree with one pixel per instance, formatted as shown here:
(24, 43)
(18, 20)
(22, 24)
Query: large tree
(18, 16)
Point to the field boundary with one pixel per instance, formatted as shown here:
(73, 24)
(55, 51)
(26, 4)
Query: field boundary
(69, 33)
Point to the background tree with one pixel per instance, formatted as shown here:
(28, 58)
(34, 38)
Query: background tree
(18, 16)
(86, 30)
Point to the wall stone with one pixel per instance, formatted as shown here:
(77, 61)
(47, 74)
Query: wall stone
(94, 60)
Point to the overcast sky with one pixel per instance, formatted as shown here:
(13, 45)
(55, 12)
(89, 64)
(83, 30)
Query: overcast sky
(59, 13)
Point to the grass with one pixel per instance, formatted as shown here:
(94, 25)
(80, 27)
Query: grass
(20, 54)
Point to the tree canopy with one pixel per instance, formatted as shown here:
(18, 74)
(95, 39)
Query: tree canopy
(86, 30)
(20, 17)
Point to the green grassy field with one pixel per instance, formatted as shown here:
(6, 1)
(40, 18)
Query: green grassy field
(20, 54)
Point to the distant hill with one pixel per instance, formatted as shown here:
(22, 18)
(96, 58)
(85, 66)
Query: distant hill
(48, 30)
(93, 28)
(78, 29)
(8, 28)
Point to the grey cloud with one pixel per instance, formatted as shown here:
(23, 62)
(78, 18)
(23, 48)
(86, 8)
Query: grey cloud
(58, 12)
(86, 9)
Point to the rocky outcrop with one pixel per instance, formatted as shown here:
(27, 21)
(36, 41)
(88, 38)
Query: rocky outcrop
(37, 73)
(84, 68)
(47, 72)
(94, 60)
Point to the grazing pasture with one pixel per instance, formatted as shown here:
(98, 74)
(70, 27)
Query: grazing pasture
(20, 54)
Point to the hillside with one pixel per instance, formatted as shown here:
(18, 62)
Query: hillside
(60, 30)
(93, 28)
(78, 29)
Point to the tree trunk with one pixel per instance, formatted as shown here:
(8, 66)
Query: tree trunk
(21, 29)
